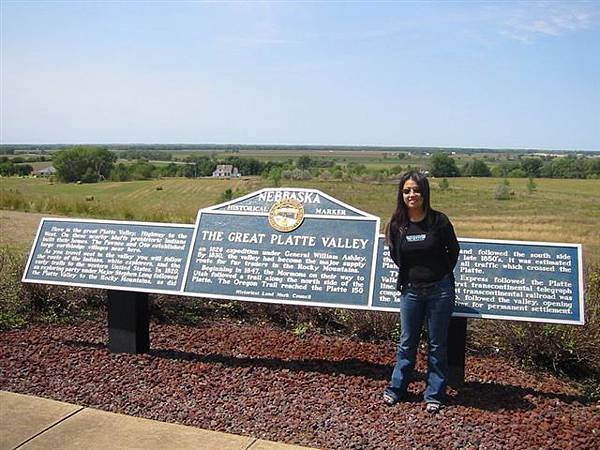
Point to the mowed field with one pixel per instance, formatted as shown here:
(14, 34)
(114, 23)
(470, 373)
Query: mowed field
(557, 211)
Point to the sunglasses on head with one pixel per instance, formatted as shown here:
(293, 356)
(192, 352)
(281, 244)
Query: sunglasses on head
(408, 190)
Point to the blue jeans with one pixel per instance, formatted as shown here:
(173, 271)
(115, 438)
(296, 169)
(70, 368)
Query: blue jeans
(436, 305)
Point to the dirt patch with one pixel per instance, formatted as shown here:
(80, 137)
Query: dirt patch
(319, 391)
(18, 228)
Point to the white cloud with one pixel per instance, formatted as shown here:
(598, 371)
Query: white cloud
(547, 20)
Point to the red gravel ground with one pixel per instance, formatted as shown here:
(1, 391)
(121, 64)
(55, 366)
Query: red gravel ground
(319, 391)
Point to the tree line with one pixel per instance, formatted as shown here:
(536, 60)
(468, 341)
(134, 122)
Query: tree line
(91, 164)
(442, 165)
(16, 166)
(9, 167)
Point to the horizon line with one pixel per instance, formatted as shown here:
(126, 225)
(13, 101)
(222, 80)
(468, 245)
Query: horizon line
(382, 146)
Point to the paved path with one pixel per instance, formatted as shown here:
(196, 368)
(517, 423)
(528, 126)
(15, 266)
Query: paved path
(28, 422)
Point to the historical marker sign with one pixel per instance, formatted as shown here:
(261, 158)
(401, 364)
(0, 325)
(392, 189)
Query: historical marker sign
(147, 257)
(295, 246)
(515, 280)
(385, 297)
(302, 247)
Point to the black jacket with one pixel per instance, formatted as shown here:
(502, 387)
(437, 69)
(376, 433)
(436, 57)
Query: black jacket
(437, 223)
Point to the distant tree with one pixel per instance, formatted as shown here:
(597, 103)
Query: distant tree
(476, 168)
(246, 166)
(142, 170)
(567, 167)
(443, 166)
(187, 170)
(304, 162)
(532, 166)
(337, 172)
(146, 154)
(86, 164)
(274, 176)
(356, 169)
(120, 173)
(322, 162)
(170, 170)
(199, 166)
(517, 173)
(592, 168)
(395, 170)
(504, 168)
(7, 168)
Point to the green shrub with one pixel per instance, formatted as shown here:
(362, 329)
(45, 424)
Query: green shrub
(302, 328)
(62, 304)
(226, 196)
(296, 174)
(21, 303)
(14, 313)
(503, 191)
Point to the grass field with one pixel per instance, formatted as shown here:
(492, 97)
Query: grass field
(557, 211)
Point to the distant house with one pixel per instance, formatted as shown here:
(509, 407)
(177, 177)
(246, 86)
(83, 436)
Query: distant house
(45, 172)
(226, 170)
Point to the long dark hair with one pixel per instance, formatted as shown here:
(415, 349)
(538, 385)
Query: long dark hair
(399, 219)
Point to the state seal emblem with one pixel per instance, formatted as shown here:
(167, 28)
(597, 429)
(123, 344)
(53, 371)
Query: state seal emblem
(286, 215)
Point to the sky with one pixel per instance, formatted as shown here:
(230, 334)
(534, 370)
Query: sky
(430, 74)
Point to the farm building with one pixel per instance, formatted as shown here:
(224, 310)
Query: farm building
(226, 170)
(45, 172)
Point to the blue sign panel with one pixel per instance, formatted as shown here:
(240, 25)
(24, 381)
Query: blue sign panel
(513, 280)
(119, 255)
(517, 279)
(386, 273)
(323, 261)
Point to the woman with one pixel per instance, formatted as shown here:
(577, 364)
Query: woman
(424, 247)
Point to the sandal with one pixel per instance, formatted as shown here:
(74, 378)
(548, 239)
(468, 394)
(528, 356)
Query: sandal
(433, 407)
(391, 396)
